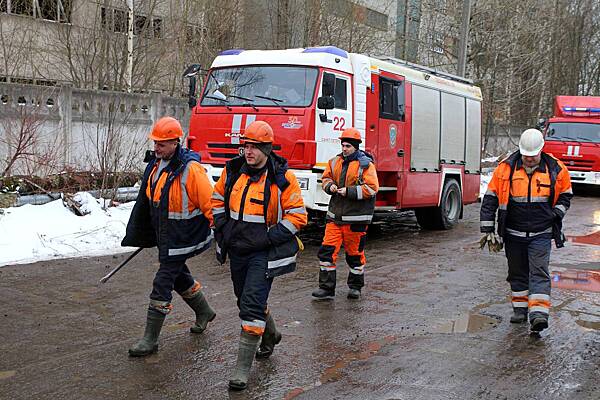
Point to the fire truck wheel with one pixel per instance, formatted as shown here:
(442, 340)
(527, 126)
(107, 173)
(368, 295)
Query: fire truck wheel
(447, 214)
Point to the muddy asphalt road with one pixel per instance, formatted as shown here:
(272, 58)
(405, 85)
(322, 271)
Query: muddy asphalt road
(432, 324)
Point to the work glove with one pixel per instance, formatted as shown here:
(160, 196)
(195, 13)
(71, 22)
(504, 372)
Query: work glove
(493, 241)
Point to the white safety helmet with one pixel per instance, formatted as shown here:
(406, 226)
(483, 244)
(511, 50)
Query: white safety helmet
(531, 143)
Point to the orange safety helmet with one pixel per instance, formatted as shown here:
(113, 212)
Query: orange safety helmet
(352, 134)
(166, 128)
(258, 132)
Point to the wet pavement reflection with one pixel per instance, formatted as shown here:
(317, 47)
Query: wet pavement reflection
(592, 238)
(468, 323)
(574, 279)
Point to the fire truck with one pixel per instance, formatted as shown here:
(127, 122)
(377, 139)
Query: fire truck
(573, 136)
(422, 126)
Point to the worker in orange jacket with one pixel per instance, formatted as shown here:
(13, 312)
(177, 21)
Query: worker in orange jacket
(173, 212)
(258, 209)
(531, 190)
(351, 180)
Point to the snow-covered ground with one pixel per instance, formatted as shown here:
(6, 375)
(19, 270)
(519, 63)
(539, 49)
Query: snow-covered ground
(35, 233)
(486, 177)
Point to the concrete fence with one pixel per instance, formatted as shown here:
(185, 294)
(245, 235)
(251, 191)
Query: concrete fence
(502, 139)
(59, 128)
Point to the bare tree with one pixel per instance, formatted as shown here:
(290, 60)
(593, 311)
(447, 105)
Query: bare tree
(114, 144)
(31, 148)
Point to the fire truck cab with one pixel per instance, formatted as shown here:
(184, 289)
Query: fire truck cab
(423, 127)
(573, 136)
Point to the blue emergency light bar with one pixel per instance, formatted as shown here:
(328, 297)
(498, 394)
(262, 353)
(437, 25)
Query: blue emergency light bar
(327, 49)
(581, 109)
(232, 52)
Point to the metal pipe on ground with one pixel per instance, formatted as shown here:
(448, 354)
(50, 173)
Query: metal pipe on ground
(123, 195)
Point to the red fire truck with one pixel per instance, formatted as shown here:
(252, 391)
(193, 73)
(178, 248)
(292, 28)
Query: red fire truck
(573, 136)
(422, 126)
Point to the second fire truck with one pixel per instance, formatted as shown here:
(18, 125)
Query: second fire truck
(573, 136)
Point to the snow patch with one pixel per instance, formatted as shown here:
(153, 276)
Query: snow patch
(34, 233)
(485, 178)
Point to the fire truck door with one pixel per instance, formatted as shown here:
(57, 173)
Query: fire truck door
(338, 119)
(391, 138)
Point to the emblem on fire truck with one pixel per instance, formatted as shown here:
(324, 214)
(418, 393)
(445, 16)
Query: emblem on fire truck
(292, 123)
(573, 151)
(393, 134)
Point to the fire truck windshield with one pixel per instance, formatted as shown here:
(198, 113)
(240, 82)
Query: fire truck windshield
(263, 85)
(574, 131)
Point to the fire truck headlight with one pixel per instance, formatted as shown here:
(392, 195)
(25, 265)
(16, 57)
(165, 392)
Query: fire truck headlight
(303, 182)
(597, 178)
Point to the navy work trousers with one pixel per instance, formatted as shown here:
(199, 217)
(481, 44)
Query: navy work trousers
(528, 274)
(171, 276)
(251, 286)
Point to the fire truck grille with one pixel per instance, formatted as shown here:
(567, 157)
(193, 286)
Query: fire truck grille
(223, 155)
(578, 165)
(223, 150)
(228, 151)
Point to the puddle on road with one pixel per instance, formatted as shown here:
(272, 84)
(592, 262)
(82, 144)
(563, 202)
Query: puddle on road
(592, 238)
(467, 323)
(7, 374)
(576, 279)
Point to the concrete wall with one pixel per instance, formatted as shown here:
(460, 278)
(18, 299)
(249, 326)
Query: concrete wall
(80, 129)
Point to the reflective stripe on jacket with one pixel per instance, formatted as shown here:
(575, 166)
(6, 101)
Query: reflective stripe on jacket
(527, 205)
(358, 175)
(177, 207)
(249, 218)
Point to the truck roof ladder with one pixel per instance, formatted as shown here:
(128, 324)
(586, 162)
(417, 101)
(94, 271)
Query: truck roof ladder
(425, 69)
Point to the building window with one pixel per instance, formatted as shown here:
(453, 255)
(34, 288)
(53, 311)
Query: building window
(139, 25)
(157, 26)
(21, 7)
(120, 21)
(52, 10)
(116, 20)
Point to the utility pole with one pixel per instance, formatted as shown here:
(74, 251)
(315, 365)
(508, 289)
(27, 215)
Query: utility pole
(129, 73)
(463, 39)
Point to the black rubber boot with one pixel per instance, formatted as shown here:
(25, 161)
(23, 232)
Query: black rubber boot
(270, 338)
(326, 290)
(204, 313)
(538, 324)
(246, 351)
(354, 294)
(519, 315)
(149, 343)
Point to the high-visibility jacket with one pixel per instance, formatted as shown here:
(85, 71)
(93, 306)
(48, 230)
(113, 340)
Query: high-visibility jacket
(358, 175)
(527, 205)
(173, 211)
(259, 211)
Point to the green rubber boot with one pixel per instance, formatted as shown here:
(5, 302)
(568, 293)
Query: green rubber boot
(149, 343)
(248, 346)
(270, 338)
(204, 313)
(519, 315)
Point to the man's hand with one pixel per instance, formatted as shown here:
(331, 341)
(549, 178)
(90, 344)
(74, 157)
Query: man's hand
(342, 192)
(493, 241)
(333, 189)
